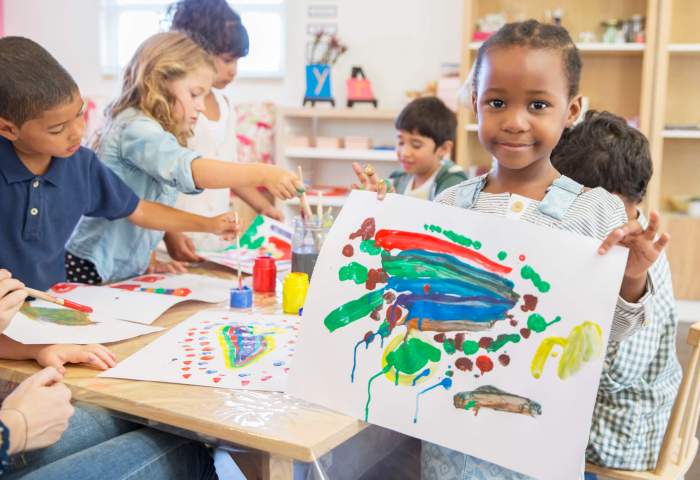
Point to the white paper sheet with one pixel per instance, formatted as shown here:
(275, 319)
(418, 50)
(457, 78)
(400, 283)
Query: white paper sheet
(218, 348)
(492, 304)
(41, 329)
(185, 286)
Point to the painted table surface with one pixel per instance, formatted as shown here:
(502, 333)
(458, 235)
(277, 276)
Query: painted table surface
(282, 427)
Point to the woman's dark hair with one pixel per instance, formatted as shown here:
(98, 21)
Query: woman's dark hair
(533, 34)
(604, 151)
(213, 24)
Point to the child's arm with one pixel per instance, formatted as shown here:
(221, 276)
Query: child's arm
(156, 216)
(259, 202)
(208, 173)
(57, 355)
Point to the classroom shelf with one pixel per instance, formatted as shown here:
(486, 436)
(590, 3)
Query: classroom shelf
(684, 48)
(471, 127)
(682, 134)
(598, 47)
(342, 154)
(325, 112)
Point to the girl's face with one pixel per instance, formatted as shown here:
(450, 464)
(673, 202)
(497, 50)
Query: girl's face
(226, 69)
(522, 104)
(189, 92)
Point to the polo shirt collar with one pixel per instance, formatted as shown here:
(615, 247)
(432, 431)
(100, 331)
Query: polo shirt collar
(14, 170)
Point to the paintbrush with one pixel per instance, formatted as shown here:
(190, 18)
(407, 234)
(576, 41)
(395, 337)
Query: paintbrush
(319, 208)
(58, 301)
(238, 249)
(305, 209)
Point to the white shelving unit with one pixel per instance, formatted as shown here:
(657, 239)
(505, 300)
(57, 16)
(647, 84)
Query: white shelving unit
(332, 166)
(598, 47)
(682, 134)
(684, 48)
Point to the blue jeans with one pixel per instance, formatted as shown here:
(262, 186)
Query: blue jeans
(97, 446)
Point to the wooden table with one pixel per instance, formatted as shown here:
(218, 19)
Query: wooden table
(279, 428)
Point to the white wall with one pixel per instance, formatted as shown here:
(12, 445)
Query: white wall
(399, 43)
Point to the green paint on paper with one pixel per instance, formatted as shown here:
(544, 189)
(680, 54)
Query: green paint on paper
(354, 310)
(502, 255)
(503, 340)
(369, 247)
(412, 356)
(470, 347)
(537, 323)
(353, 271)
(477, 245)
(449, 346)
(529, 273)
(470, 404)
(433, 228)
(59, 316)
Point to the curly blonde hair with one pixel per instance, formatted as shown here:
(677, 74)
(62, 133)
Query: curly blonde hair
(159, 60)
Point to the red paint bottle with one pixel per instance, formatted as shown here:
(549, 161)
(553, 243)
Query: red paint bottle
(264, 275)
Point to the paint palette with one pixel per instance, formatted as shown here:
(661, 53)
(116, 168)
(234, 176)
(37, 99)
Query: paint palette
(216, 348)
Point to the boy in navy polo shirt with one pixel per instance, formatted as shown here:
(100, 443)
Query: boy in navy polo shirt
(48, 181)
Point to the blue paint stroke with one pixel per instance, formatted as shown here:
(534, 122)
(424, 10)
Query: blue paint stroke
(445, 382)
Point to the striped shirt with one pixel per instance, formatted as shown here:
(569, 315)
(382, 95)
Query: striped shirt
(594, 213)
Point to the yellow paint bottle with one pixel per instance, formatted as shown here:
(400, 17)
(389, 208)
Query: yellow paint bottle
(294, 289)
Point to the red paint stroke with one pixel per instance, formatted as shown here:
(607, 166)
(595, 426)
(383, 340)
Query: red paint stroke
(207, 357)
(245, 382)
(148, 278)
(348, 251)
(396, 239)
(440, 337)
(216, 380)
(76, 306)
(186, 375)
(64, 287)
(187, 362)
(484, 364)
(185, 368)
(521, 258)
(281, 245)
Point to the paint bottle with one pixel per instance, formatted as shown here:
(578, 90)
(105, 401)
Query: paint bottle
(264, 274)
(307, 241)
(294, 289)
(241, 298)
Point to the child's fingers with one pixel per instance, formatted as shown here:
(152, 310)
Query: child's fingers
(360, 174)
(4, 274)
(662, 242)
(180, 267)
(104, 355)
(9, 285)
(381, 190)
(14, 300)
(613, 239)
(93, 359)
(653, 227)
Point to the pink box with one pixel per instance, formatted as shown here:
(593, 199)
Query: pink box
(358, 143)
(328, 142)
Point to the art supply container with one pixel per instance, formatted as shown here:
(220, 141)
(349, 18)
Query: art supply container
(307, 241)
(264, 274)
(241, 298)
(294, 289)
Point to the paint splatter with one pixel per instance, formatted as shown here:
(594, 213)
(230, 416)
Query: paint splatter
(537, 323)
(470, 347)
(485, 342)
(504, 359)
(348, 251)
(459, 340)
(366, 230)
(502, 255)
(503, 340)
(529, 273)
(449, 346)
(369, 247)
(529, 303)
(464, 364)
(488, 396)
(484, 363)
(353, 271)
(584, 344)
(354, 310)
(525, 333)
(59, 316)
(446, 383)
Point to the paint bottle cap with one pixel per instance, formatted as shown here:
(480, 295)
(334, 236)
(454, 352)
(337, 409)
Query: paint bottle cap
(241, 298)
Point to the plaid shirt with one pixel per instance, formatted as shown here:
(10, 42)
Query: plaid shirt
(594, 213)
(640, 380)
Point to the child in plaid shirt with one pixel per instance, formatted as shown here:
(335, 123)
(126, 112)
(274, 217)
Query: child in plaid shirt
(641, 373)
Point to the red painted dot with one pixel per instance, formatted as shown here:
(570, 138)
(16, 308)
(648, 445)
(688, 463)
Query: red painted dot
(521, 258)
(484, 364)
(186, 375)
(216, 380)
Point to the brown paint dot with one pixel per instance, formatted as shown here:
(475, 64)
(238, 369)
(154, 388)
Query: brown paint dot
(366, 230)
(440, 337)
(348, 251)
(504, 359)
(485, 342)
(513, 323)
(529, 303)
(389, 297)
(525, 332)
(464, 364)
(459, 340)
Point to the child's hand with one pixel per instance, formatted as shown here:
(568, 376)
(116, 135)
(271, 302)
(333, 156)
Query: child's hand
(45, 403)
(272, 212)
(12, 295)
(644, 247)
(224, 225)
(369, 181)
(156, 266)
(281, 183)
(181, 247)
(58, 355)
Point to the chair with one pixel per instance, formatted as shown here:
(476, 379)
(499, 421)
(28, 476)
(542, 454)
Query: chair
(680, 444)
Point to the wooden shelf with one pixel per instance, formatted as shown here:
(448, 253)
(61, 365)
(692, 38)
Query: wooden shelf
(682, 134)
(602, 48)
(338, 113)
(342, 154)
(684, 48)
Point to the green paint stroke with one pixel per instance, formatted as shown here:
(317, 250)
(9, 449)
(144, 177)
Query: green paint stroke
(354, 310)
(59, 316)
(477, 245)
(470, 347)
(537, 323)
(502, 341)
(433, 228)
(449, 346)
(470, 404)
(529, 273)
(502, 255)
(248, 239)
(353, 271)
(369, 247)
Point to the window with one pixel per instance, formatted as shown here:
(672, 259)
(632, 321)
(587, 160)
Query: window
(127, 23)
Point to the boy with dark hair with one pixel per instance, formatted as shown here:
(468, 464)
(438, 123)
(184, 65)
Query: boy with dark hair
(641, 373)
(48, 181)
(425, 138)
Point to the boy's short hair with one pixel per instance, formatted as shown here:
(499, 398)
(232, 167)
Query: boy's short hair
(429, 117)
(32, 81)
(604, 151)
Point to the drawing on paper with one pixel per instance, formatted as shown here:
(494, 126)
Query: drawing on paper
(488, 396)
(584, 343)
(59, 316)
